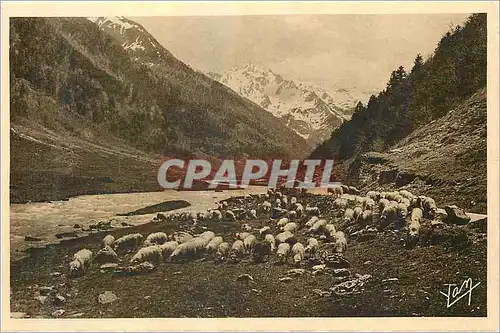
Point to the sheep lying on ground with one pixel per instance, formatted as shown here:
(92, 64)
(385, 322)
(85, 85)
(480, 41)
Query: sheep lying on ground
(181, 237)
(128, 242)
(311, 221)
(208, 235)
(150, 253)
(183, 251)
(81, 262)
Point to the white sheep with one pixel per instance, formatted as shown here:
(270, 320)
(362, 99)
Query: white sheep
(182, 251)
(266, 206)
(282, 222)
(283, 252)
(253, 214)
(237, 250)
(382, 203)
(213, 245)
(357, 212)
(318, 226)
(414, 227)
(340, 244)
(299, 209)
(312, 247)
(389, 215)
(335, 190)
(312, 211)
(155, 238)
(242, 235)
(81, 262)
(298, 252)
(265, 230)
(311, 221)
(369, 204)
(249, 243)
(222, 251)
(374, 195)
(229, 215)
(366, 217)
(291, 226)
(285, 201)
(270, 239)
(128, 242)
(430, 207)
(109, 240)
(348, 215)
(330, 229)
(291, 214)
(106, 255)
(208, 235)
(152, 253)
(181, 237)
(216, 215)
(402, 211)
(293, 201)
(340, 203)
(168, 248)
(283, 237)
(199, 244)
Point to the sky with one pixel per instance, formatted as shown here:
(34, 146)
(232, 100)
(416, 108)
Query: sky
(356, 52)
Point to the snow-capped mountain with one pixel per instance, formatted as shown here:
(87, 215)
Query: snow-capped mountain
(139, 43)
(310, 111)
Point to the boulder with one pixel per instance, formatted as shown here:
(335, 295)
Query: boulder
(456, 215)
(107, 297)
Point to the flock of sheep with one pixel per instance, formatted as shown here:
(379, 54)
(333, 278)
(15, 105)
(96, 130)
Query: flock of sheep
(293, 232)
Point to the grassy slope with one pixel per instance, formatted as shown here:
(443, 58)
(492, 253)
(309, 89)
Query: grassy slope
(204, 289)
(447, 158)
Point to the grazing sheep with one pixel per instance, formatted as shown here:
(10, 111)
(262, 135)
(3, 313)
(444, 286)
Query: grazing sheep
(298, 252)
(311, 248)
(222, 251)
(406, 202)
(109, 240)
(106, 255)
(311, 221)
(208, 235)
(330, 229)
(81, 262)
(318, 226)
(156, 238)
(261, 251)
(253, 214)
(270, 239)
(366, 217)
(266, 206)
(348, 215)
(282, 222)
(360, 201)
(128, 242)
(229, 215)
(312, 211)
(181, 237)
(199, 244)
(152, 254)
(213, 245)
(382, 203)
(216, 215)
(237, 251)
(369, 204)
(402, 211)
(353, 190)
(168, 248)
(291, 226)
(335, 190)
(414, 227)
(265, 230)
(340, 245)
(340, 203)
(398, 197)
(284, 237)
(291, 214)
(430, 207)
(242, 235)
(283, 252)
(299, 209)
(374, 195)
(249, 243)
(357, 213)
(406, 194)
(182, 251)
(391, 195)
(388, 215)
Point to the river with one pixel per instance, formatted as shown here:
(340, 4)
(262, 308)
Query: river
(46, 219)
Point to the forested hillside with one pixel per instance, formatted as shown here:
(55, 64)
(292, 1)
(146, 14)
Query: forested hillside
(415, 97)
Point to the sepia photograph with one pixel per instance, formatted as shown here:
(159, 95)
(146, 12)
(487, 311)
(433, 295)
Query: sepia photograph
(241, 164)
